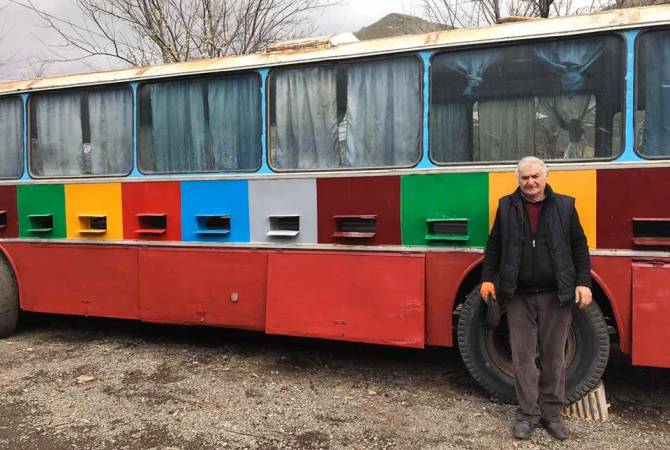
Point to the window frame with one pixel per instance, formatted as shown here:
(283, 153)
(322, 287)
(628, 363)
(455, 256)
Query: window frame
(197, 77)
(622, 98)
(636, 88)
(76, 89)
(22, 166)
(338, 62)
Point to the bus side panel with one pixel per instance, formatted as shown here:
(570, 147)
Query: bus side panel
(76, 279)
(203, 287)
(359, 297)
(651, 309)
(444, 274)
(614, 276)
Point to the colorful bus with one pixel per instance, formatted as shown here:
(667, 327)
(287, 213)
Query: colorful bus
(346, 190)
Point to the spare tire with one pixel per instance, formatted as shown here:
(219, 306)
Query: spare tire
(487, 356)
(9, 300)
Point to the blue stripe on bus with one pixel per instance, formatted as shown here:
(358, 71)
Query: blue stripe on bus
(264, 163)
(25, 175)
(629, 149)
(425, 162)
(135, 172)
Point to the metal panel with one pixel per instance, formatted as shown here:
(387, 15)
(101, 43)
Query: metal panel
(360, 297)
(160, 198)
(366, 196)
(283, 198)
(84, 201)
(651, 310)
(216, 198)
(9, 223)
(41, 200)
(77, 279)
(203, 287)
(445, 196)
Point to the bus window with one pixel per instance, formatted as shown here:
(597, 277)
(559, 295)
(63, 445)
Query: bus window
(555, 100)
(84, 132)
(652, 118)
(200, 125)
(11, 130)
(338, 116)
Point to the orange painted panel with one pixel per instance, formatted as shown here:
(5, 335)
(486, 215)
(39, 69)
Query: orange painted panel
(76, 279)
(362, 297)
(651, 309)
(580, 184)
(203, 287)
(87, 203)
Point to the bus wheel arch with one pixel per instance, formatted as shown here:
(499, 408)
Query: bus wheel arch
(486, 355)
(9, 297)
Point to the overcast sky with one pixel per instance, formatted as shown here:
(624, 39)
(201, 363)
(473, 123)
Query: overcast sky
(20, 44)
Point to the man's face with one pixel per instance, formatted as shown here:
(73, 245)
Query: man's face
(532, 181)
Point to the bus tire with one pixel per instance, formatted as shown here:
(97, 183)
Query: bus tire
(487, 357)
(9, 300)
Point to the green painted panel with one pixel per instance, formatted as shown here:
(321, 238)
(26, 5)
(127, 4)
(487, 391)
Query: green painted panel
(461, 197)
(41, 211)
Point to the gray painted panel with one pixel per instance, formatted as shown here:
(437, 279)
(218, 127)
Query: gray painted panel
(288, 197)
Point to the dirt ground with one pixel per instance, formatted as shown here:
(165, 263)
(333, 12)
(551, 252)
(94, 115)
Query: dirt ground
(80, 383)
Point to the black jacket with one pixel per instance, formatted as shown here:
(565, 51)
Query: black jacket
(565, 241)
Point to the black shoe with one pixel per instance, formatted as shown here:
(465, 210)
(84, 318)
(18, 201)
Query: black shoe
(522, 429)
(556, 429)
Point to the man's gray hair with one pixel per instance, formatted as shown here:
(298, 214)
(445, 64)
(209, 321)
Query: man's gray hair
(528, 161)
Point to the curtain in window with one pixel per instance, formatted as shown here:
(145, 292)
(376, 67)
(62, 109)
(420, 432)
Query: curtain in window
(450, 132)
(306, 119)
(111, 127)
(656, 132)
(235, 122)
(179, 128)
(567, 114)
(56, 142)
(383, 113)
(472, 65)
(11, 144)
(506, 128)
(570, 60)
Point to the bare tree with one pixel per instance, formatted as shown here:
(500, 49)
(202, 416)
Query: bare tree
(143, 32)
(472, 13)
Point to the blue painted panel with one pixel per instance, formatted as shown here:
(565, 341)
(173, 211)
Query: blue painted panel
(225, 198)
(425, 162)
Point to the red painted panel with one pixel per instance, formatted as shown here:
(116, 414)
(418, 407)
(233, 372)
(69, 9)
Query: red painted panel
(360, 297)
(444, 274)
(613, 274)
(195, 286)
(627, 193)
(378, 196)
(76, 279)
(651, 310)
(151, 198)
(8, 204)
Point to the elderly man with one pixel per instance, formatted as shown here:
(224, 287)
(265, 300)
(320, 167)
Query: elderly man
(537, 262)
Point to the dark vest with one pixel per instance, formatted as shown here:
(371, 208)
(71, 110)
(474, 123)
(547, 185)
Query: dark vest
(556, 222)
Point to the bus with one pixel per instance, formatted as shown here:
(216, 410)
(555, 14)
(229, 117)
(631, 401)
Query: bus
(345, 190)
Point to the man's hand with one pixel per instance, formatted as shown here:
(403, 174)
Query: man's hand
(583, 296)
(487, 289)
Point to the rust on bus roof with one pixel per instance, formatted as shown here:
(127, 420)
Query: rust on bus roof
(617, 19)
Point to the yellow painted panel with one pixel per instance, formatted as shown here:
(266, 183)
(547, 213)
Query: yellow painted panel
(86, 201)
(500, 184)
(580, 184)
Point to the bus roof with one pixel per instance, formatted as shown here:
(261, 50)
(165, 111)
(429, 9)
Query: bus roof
(617, 19)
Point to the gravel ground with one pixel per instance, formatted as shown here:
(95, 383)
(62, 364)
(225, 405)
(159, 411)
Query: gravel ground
(90, 383)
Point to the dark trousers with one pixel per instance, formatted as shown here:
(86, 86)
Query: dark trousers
(538, 328)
